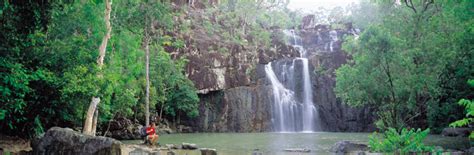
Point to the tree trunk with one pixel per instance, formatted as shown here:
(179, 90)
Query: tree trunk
(105, 39)
(90, 124)
(87, 129)
(161, 110)
(94, 122)
(108, 126)
(147, 74)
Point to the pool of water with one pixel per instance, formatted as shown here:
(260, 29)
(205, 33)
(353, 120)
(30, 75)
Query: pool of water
(275, 143)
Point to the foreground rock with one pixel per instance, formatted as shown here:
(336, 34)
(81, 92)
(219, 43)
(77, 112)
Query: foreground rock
(297, 150)
(58, 141)
(13, 144)
(189, 146)
(124, 129)
(145, 150)
(456, 132)
(257, 152)
(470, 150)
(342, 147)
(168, 149)
(206, 151)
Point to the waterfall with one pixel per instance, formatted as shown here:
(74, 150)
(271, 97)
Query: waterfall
(308, 115)
(333, 36)
(292, 109)
(284, 102)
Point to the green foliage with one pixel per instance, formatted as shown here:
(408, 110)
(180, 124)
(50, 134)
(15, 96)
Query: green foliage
(469, 118)
(14, 87)
(457, 25)
(405, 141)
(175, 92)
(70, 50)
(376, 76)
(26, 82)
(406, 65)
(49, 70)
(124, 73)
(245, 22)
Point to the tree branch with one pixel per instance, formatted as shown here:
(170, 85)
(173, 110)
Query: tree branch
(409, 4)
(426, 4)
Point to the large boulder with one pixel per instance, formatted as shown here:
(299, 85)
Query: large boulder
(120, 123)
(124, 129)
(189, 146)
(343, 147)
(470, 150)
(207, 151)
(456, 132)
(59, 141)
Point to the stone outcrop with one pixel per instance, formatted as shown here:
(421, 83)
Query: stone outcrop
(335, 116)
(344, 147)
(456, 132)
(240, 109)
(302, 150)
(206, 151)
(235, 94)
(150, 150)
(67, 141)
(124, 129)
(216, 61)
(225, 74)
(189, 146)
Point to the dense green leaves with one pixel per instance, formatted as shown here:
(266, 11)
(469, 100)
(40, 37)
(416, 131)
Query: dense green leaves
(49, 71)
(175, 93)
(403, 142)
(469, 106)
(409, 64)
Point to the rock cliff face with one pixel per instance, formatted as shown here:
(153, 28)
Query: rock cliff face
(235, 94)
(239, 109)
(324, 44)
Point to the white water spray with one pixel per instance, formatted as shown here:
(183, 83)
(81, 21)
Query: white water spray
(293, 109)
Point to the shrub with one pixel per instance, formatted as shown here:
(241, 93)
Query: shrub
(469, 105)
(400, 142)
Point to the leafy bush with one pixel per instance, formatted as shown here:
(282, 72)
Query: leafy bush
(469, 105)
(401, 142)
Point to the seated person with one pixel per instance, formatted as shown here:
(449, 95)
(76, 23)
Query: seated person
(152, 136)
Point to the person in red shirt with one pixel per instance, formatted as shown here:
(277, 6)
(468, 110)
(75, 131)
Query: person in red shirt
(152, 136)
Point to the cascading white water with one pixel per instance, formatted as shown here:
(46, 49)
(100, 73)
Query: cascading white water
(293, 109)
(333, 36)
(308, 115)
(283, 101)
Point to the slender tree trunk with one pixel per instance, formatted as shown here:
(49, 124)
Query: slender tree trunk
(161, 110)
(91, 123)
(94, 122)
(147, 74)
(163, 104)
(108, 126)
(105, 39)
(87, 129)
